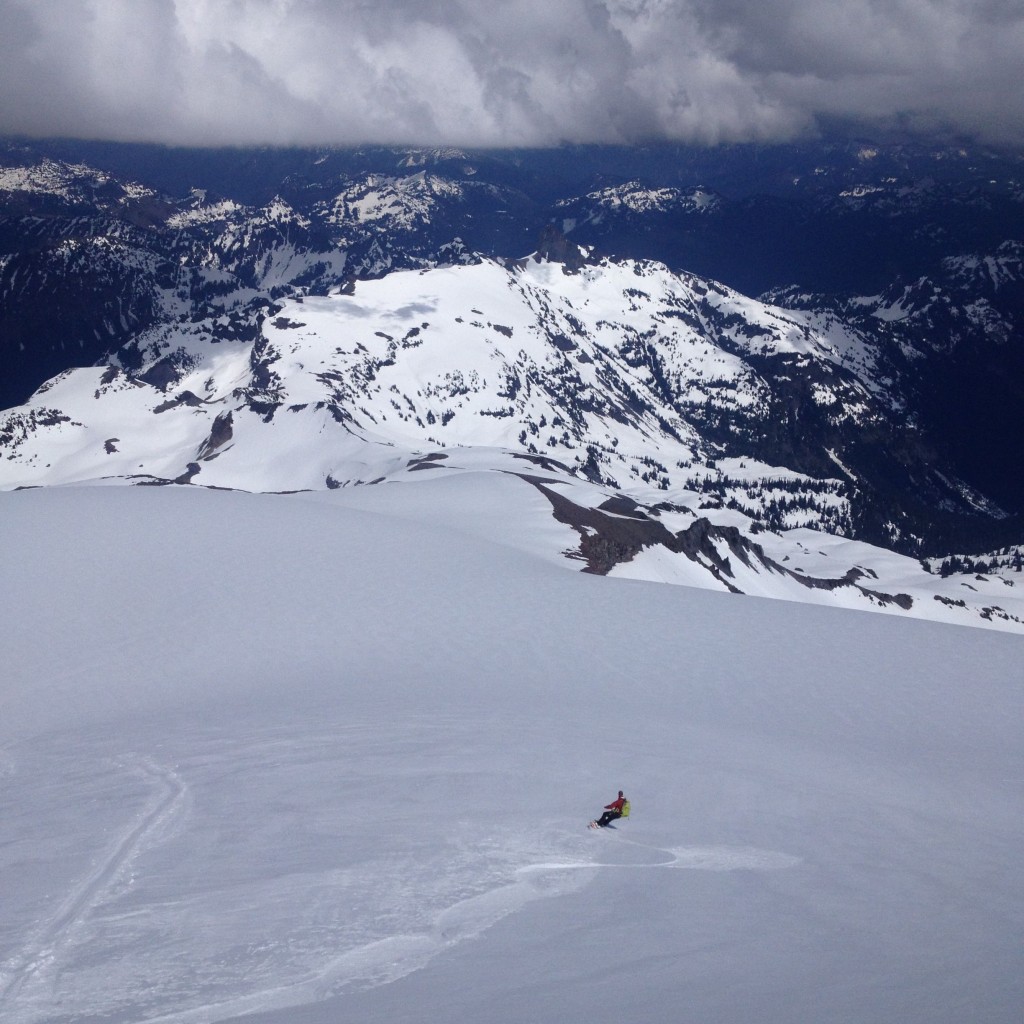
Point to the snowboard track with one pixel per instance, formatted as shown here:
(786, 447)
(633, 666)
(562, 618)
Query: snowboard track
(699, 858)
(43, 947)
(386, 960)
(365, 966)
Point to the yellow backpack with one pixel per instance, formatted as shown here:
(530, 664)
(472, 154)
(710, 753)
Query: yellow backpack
(625, 809)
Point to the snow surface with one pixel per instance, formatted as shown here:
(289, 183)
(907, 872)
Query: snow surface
(286, 759)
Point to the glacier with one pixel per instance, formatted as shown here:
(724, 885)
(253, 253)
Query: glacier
(330, 756)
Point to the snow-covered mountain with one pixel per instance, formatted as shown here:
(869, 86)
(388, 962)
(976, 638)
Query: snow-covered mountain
(953, 338)
(600, 386)
(345, 315)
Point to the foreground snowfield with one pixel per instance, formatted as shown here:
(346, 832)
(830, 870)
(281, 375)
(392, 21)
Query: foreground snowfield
(288, 759)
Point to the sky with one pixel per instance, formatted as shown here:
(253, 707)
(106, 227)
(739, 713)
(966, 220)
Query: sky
(514, 73)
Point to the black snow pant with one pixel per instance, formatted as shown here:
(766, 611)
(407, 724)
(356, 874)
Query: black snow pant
(609, 816)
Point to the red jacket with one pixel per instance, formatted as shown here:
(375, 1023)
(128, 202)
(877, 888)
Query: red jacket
(615, 805)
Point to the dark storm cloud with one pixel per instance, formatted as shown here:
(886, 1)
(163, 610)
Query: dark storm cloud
(519, 72)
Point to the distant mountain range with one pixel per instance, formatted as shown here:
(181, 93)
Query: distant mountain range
(826, 338)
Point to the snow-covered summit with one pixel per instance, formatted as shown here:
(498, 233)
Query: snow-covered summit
(604, 368)
(635, 200)
(72, 183)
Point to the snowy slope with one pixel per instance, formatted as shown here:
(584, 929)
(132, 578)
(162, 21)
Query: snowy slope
(291, 759)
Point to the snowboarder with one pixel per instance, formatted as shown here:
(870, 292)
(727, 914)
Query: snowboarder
(612, 812)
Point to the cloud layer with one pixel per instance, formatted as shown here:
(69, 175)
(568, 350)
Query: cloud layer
(510, 73)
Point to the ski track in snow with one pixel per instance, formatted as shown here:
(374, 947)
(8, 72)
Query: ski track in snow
(36, 981)
(41, 954)
(390, 959)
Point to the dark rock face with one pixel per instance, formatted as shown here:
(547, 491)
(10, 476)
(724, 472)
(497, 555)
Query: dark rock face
(220, 434)
(619, 530)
